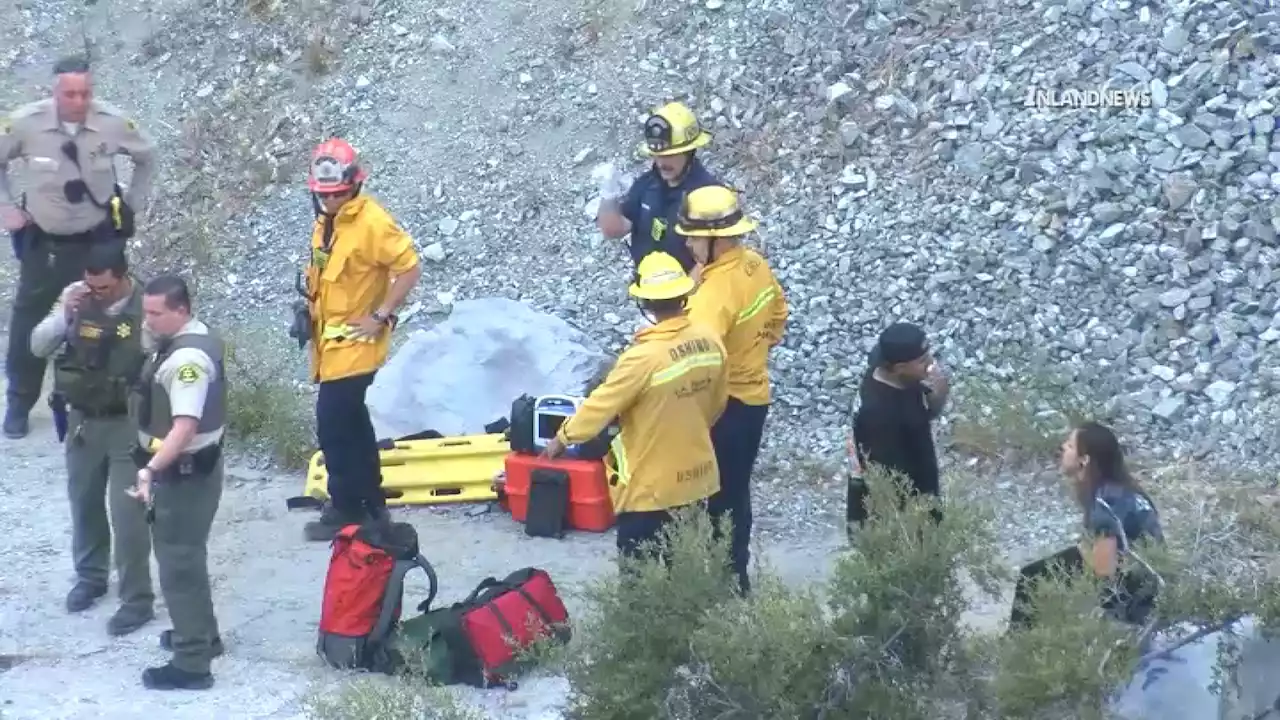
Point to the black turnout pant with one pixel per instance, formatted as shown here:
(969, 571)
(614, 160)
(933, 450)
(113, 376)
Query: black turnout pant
(736, 437)
(349, 444)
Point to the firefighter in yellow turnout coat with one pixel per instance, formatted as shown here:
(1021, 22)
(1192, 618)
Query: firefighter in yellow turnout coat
(740, 300)
(666, 390)
(363, 266)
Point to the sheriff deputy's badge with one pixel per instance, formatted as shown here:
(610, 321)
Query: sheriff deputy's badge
(123, 331)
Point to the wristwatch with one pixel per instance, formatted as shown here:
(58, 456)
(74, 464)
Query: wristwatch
(384, 318)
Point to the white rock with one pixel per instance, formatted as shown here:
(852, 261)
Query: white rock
(434, 252)
(1219, 391)
(441, 44)
(838, 91)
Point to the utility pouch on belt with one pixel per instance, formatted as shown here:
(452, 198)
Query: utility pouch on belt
(300, 330)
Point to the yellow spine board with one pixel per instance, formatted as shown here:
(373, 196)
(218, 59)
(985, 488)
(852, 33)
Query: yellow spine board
(431, 472)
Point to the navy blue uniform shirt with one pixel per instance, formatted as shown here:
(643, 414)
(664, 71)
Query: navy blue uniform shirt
(652, 206)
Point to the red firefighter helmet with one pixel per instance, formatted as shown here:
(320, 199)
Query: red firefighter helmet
(335, 167)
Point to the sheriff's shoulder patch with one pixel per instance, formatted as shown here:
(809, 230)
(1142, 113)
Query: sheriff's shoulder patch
(188, 373)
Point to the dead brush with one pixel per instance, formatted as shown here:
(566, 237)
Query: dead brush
(321, 53)
(1020, 421)
(260, 9)
(756, 156)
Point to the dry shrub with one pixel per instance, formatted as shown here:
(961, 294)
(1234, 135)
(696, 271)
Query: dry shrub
(1019, 420)
(265, 410)
(370, 697)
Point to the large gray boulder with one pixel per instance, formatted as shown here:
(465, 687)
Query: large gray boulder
(463, 373)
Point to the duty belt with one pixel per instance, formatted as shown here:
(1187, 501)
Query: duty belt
(102, 412)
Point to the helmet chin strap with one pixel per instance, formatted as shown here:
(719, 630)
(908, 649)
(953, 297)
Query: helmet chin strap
(318, 207)
(647, 314)
(644, 312)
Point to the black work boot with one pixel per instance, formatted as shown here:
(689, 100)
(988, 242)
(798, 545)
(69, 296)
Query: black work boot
(166, 643)
(168, 677)
(331, 521)
(83, 596)
(129, 618)
(16, 424)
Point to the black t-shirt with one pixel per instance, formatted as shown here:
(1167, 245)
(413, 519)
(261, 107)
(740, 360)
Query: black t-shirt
(893, 428)
(1123, 514)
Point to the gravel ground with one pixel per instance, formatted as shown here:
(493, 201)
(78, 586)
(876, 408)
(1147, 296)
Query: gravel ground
(887, 145)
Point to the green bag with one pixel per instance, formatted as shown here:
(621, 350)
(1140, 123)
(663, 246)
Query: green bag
(422, 645)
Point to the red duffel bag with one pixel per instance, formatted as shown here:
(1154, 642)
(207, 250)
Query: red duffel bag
(503, 617)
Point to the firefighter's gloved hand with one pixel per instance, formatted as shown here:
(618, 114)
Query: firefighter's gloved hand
(300, 330)
(613, 182)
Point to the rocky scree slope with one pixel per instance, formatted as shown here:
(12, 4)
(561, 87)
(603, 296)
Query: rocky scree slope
(889, 149)
(886, 146)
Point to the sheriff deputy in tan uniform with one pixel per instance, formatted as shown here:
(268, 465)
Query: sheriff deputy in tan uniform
(72, 198)
(181, 411)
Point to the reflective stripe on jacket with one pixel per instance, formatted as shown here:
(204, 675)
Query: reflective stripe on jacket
(355, 254)
(741, 301)
(666, 390)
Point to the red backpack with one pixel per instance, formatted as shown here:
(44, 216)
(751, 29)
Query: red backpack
(363, 591)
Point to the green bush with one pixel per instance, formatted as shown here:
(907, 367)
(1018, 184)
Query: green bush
(368, 697)
(883, 637)
(886, 635)
(637, 628)
(265, 410)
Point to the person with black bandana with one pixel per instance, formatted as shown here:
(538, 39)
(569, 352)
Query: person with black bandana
(903, 391)
(647, 211)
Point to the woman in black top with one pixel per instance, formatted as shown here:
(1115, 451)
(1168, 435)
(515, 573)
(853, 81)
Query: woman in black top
(1117, 514)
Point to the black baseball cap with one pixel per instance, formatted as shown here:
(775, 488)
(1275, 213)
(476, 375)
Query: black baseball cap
(900, 342)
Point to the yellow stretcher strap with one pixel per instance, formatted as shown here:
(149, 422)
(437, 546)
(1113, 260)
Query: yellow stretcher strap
(345, 332)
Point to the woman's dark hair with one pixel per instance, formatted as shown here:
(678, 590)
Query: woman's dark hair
(1106, 464)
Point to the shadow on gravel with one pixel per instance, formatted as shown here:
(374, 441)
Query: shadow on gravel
(8, 662)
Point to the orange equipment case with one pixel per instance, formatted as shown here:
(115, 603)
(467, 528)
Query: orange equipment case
(590, 505)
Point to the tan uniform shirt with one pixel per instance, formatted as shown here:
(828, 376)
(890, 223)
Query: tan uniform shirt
(51, 334)
(34, 133)
(187, 389)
